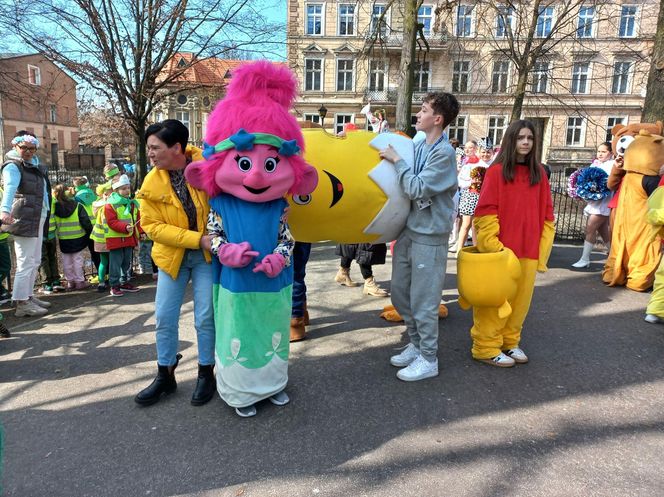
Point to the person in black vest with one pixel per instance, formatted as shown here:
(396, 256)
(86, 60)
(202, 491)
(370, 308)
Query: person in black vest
(24, 213)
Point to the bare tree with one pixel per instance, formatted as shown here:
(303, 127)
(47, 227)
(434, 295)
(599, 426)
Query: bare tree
(653, 108)
(120, 48)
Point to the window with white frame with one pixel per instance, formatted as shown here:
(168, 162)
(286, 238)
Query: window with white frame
(314, 118)
(496, 129)
(465, 21)
(34, 75)
(379, 20)
(158, 116)
(628, 18)
(544, 22)
(622, 76)
(340, 120)
(504, 20)
(585, 27)
(461, 76)
(53, 116)
(425, 17)
(314, 19)
(575, 130)
(345, 72)
(346, 19)
(422, 75)
(313, 74)
(581, 78)
(540, 77)
(500, 76)
(183, 117)
(377, 72)
(458, 129)
(611, 121)
(204, 120)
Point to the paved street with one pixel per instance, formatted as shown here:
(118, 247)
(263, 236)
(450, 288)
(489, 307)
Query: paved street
(583, 418)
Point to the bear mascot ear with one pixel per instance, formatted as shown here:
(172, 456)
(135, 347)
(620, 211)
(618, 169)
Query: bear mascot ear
(308, 182)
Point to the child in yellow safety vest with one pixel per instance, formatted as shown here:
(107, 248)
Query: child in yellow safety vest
(86, 197)
(72, 227)
(50, 273)
(98, 235)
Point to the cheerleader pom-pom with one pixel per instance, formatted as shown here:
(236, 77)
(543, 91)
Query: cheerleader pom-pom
(572, 183)
(477, 177)
(591, 184)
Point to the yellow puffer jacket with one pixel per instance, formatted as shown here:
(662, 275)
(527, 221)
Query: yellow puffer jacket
(165, 222)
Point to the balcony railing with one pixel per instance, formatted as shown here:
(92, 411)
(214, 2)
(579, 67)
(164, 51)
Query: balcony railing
(389, 95)
(395, 40)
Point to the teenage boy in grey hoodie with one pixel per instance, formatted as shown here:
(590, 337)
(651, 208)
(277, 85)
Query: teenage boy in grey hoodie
(420, 253)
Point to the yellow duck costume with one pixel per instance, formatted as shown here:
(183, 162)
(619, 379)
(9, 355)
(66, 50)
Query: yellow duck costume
(635, 255)
(655, 309)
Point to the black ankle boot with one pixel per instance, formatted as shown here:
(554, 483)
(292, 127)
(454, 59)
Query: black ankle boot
(206, 386)
(164, 383)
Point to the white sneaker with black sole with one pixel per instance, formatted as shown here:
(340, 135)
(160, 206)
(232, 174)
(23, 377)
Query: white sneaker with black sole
(419, 369)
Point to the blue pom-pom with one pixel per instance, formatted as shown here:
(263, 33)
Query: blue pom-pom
(208, 150)
(243, 140)
(591, 184)
(289, 148)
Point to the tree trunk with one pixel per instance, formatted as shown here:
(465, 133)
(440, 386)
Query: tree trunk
(406, 68)
(519, 96)
(141, 155)
(653, 107)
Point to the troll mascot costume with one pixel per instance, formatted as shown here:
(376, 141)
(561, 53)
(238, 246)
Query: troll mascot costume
(252, 160)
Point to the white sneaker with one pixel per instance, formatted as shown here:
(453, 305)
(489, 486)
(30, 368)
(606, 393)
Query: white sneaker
(27, 308)
(419, 369)
(652, 319)
(518, 355)
(501, 361)
(280, 398)
(246, 412)
(40, 302)
(407, 355)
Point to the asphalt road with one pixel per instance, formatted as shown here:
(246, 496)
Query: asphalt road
(583, 418)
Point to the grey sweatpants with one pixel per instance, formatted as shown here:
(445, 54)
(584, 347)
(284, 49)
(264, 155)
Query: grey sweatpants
(418, 277)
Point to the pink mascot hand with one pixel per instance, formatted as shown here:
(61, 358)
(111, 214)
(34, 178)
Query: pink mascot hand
(236, 254)
(271, 265)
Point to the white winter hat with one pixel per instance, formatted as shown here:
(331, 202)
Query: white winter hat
(122, 181)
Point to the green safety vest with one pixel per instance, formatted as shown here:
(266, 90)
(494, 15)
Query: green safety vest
(100, 228)
(51, 221)
(69, 228)
(88, 209)
(124, 213)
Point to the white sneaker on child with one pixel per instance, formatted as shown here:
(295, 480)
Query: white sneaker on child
(517, 354)
(419, 369)
(407, 355)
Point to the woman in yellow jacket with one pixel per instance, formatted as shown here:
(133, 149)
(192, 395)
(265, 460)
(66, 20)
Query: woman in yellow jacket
(174, 215)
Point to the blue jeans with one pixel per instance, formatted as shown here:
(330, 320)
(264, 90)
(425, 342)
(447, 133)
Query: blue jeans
(301, 253)
(168, 304)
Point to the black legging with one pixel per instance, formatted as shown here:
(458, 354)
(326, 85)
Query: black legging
(365, 269)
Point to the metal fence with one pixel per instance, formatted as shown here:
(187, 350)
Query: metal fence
(570, 223)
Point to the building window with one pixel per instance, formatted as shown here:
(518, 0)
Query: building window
(158, 116)
(34, 75)
(461, 76)
(206, 101)
(540, 83)
(544, 22)
(621, 77)
(379, 20)
(425, 17)
(611, 121)
(377, 70)
(314, 118)
(580, 78)
(496, 129)
(340, 120)
(628, 15)
(422, 73)
(458, 129)
(464, 21)
(314, 19)
(575, 129)
(346, 19)
(586, 25)
(204, 120)
(182, 99)
(313, 74)
(183, 117)
(54, 113)
(345, 74)
(500, 76)
(504, 21)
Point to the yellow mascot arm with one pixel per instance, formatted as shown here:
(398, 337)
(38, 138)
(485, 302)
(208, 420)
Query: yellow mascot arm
(545, 246)
(656, 207)
(487, 228)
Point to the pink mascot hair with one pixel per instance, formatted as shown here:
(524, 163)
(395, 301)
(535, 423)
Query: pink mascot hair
(258, 99)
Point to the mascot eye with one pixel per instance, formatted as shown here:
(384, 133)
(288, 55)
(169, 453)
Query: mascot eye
(243, 162)
(623, 144)
(302, 199)
(271, 164)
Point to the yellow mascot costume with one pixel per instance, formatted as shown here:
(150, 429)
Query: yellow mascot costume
(655, 309)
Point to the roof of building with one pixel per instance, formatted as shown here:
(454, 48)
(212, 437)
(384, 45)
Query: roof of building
(204, 72)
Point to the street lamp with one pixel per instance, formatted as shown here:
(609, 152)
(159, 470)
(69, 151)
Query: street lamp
(322, 112)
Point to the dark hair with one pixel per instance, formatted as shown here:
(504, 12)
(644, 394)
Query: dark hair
(607, 145)
(23, 133)
(507, 154)
(443, 104)
(170, 131)
(454, 142)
